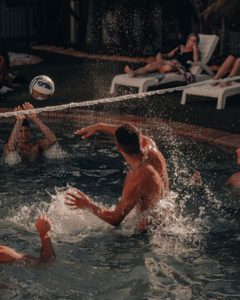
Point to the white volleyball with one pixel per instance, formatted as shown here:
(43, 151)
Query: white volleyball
(41, 87)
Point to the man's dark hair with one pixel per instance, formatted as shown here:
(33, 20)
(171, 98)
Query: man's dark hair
(26, 123)
(128, 137)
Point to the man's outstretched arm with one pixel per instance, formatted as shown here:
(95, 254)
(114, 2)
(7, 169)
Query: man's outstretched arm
(130, 196)
(88, 131)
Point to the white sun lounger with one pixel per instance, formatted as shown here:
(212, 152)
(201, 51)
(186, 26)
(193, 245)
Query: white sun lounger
(217, 92)
(207, 46)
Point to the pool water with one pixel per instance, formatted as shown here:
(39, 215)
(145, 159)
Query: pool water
(193, 255)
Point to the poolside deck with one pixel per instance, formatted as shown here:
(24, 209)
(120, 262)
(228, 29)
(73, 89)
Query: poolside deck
(80, 76)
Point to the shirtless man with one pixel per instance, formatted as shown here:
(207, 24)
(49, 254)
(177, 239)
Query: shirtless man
(47, 252)
(19, 141)
(146, 181)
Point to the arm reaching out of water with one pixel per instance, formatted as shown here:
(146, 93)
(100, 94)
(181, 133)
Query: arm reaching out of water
(12, 141)
(131, 195)
(43, 227)
(110, 129)
(89, 131)
(50, 137)
(146, 181)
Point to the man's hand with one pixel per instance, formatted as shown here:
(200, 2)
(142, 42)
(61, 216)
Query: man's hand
(19, 117)
(159, 57)
(26, 106)
(43, 226)
(77, 199)
(86, 132)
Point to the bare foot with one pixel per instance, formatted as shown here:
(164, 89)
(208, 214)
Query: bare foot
(214, 83)
(129, 71)
(225, 84)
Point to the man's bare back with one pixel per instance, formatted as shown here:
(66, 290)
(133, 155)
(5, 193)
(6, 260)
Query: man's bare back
(146, 181)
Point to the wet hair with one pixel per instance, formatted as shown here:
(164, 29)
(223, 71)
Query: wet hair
(26, 123)
(128, 138)
(195, 35)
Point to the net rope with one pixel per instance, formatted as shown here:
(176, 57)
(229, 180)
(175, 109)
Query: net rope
(114, 99)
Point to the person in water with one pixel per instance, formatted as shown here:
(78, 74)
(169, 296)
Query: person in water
(145, 184)
(47, 253)
(19, 141)
(234, 180)
(176, 60)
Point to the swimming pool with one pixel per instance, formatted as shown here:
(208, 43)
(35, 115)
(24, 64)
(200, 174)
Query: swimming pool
(192, 256)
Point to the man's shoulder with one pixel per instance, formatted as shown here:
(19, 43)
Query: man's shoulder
(143, 172)
(156, 154)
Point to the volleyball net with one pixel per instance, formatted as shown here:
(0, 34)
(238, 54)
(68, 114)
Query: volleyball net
(63, 120)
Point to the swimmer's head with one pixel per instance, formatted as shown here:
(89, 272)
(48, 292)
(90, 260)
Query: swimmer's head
(24, 132)
(128, 138)
(26, 123)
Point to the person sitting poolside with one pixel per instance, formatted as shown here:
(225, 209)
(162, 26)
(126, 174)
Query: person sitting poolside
(145, 184)
(19, 142)
(230, 66)
(175, 61)
(47, 253)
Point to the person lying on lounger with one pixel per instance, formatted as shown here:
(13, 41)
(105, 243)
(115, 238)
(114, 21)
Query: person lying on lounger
(230, 67)
(175, 61)
(47, 253)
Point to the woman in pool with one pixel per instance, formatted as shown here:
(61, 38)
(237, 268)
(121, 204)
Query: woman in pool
(174, 61)
(47, 252)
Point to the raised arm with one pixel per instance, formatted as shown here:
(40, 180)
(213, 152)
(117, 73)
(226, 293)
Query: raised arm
(130, 196)
(195, 53)
(50, 137)
(11, 144)
(87, 132)
(43, 227)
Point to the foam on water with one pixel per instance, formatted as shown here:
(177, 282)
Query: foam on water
(55, 152)
(67, 222)
(12, 158)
